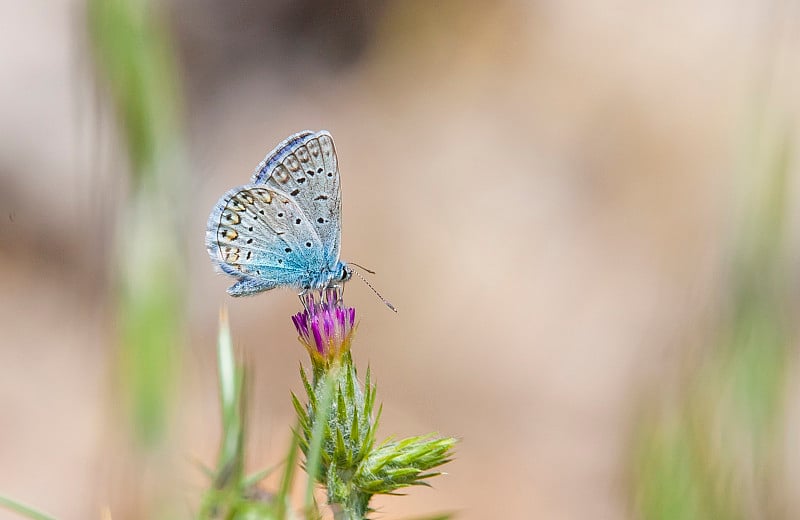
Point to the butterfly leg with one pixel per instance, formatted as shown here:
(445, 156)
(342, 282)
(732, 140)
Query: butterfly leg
(303, 295)
(337, 289)
(308, 297)
(332, 294)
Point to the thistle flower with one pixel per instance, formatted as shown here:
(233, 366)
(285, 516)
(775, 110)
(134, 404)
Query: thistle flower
(326, 326)
(337, 424)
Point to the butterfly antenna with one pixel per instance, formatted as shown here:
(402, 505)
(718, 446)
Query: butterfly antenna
(384, 300)
(370, 271)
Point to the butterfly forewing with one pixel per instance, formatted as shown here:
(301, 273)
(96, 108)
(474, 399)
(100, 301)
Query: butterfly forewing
(305, 167)
(265, 167)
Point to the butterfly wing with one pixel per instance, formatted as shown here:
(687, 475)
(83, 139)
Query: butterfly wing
(262, 237)
(278, 154)
(305, 167)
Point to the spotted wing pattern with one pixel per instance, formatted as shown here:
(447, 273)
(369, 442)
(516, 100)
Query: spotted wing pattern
(262, 236)
(278, 154)
(305, 167)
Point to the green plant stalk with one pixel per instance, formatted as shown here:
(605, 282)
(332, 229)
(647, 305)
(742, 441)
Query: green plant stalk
(347, 499)
(282, 498)
(230, 465)
(136, 65)
(718, 454)
(23, 510)
(232, 495)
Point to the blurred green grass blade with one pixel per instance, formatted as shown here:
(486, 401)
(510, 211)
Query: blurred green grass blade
(287, 479)
(150, 313)
(228, 383)
(437, 516)
(131, 44)
(137, 71)
(135, 62)
(716, 452)
(258, 476)
(205, 470)
(23, 510)
(760, 333)
(667, 480)
(230, 466)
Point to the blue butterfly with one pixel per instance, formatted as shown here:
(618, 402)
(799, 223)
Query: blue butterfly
(284, 228)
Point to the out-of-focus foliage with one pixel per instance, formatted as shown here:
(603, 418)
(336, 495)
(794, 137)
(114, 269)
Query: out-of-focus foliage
(136, 65)
(136, 68)
(232, 494)
(716, 452)
(22, 509)
(136, 62)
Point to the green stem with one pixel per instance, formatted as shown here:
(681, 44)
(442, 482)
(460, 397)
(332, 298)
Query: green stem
(22, 509)
(352, 506)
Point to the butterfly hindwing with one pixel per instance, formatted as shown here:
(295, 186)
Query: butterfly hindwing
(262, 237)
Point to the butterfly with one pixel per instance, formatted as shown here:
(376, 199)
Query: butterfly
(284, 228)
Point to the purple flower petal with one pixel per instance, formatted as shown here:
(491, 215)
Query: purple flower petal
(325, 324)
(320, 344)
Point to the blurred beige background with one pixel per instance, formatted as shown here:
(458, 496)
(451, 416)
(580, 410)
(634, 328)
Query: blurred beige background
(544, 188)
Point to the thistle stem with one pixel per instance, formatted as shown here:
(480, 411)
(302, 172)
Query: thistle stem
(352, 506)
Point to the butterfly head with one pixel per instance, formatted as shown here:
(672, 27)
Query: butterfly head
(343, 272)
